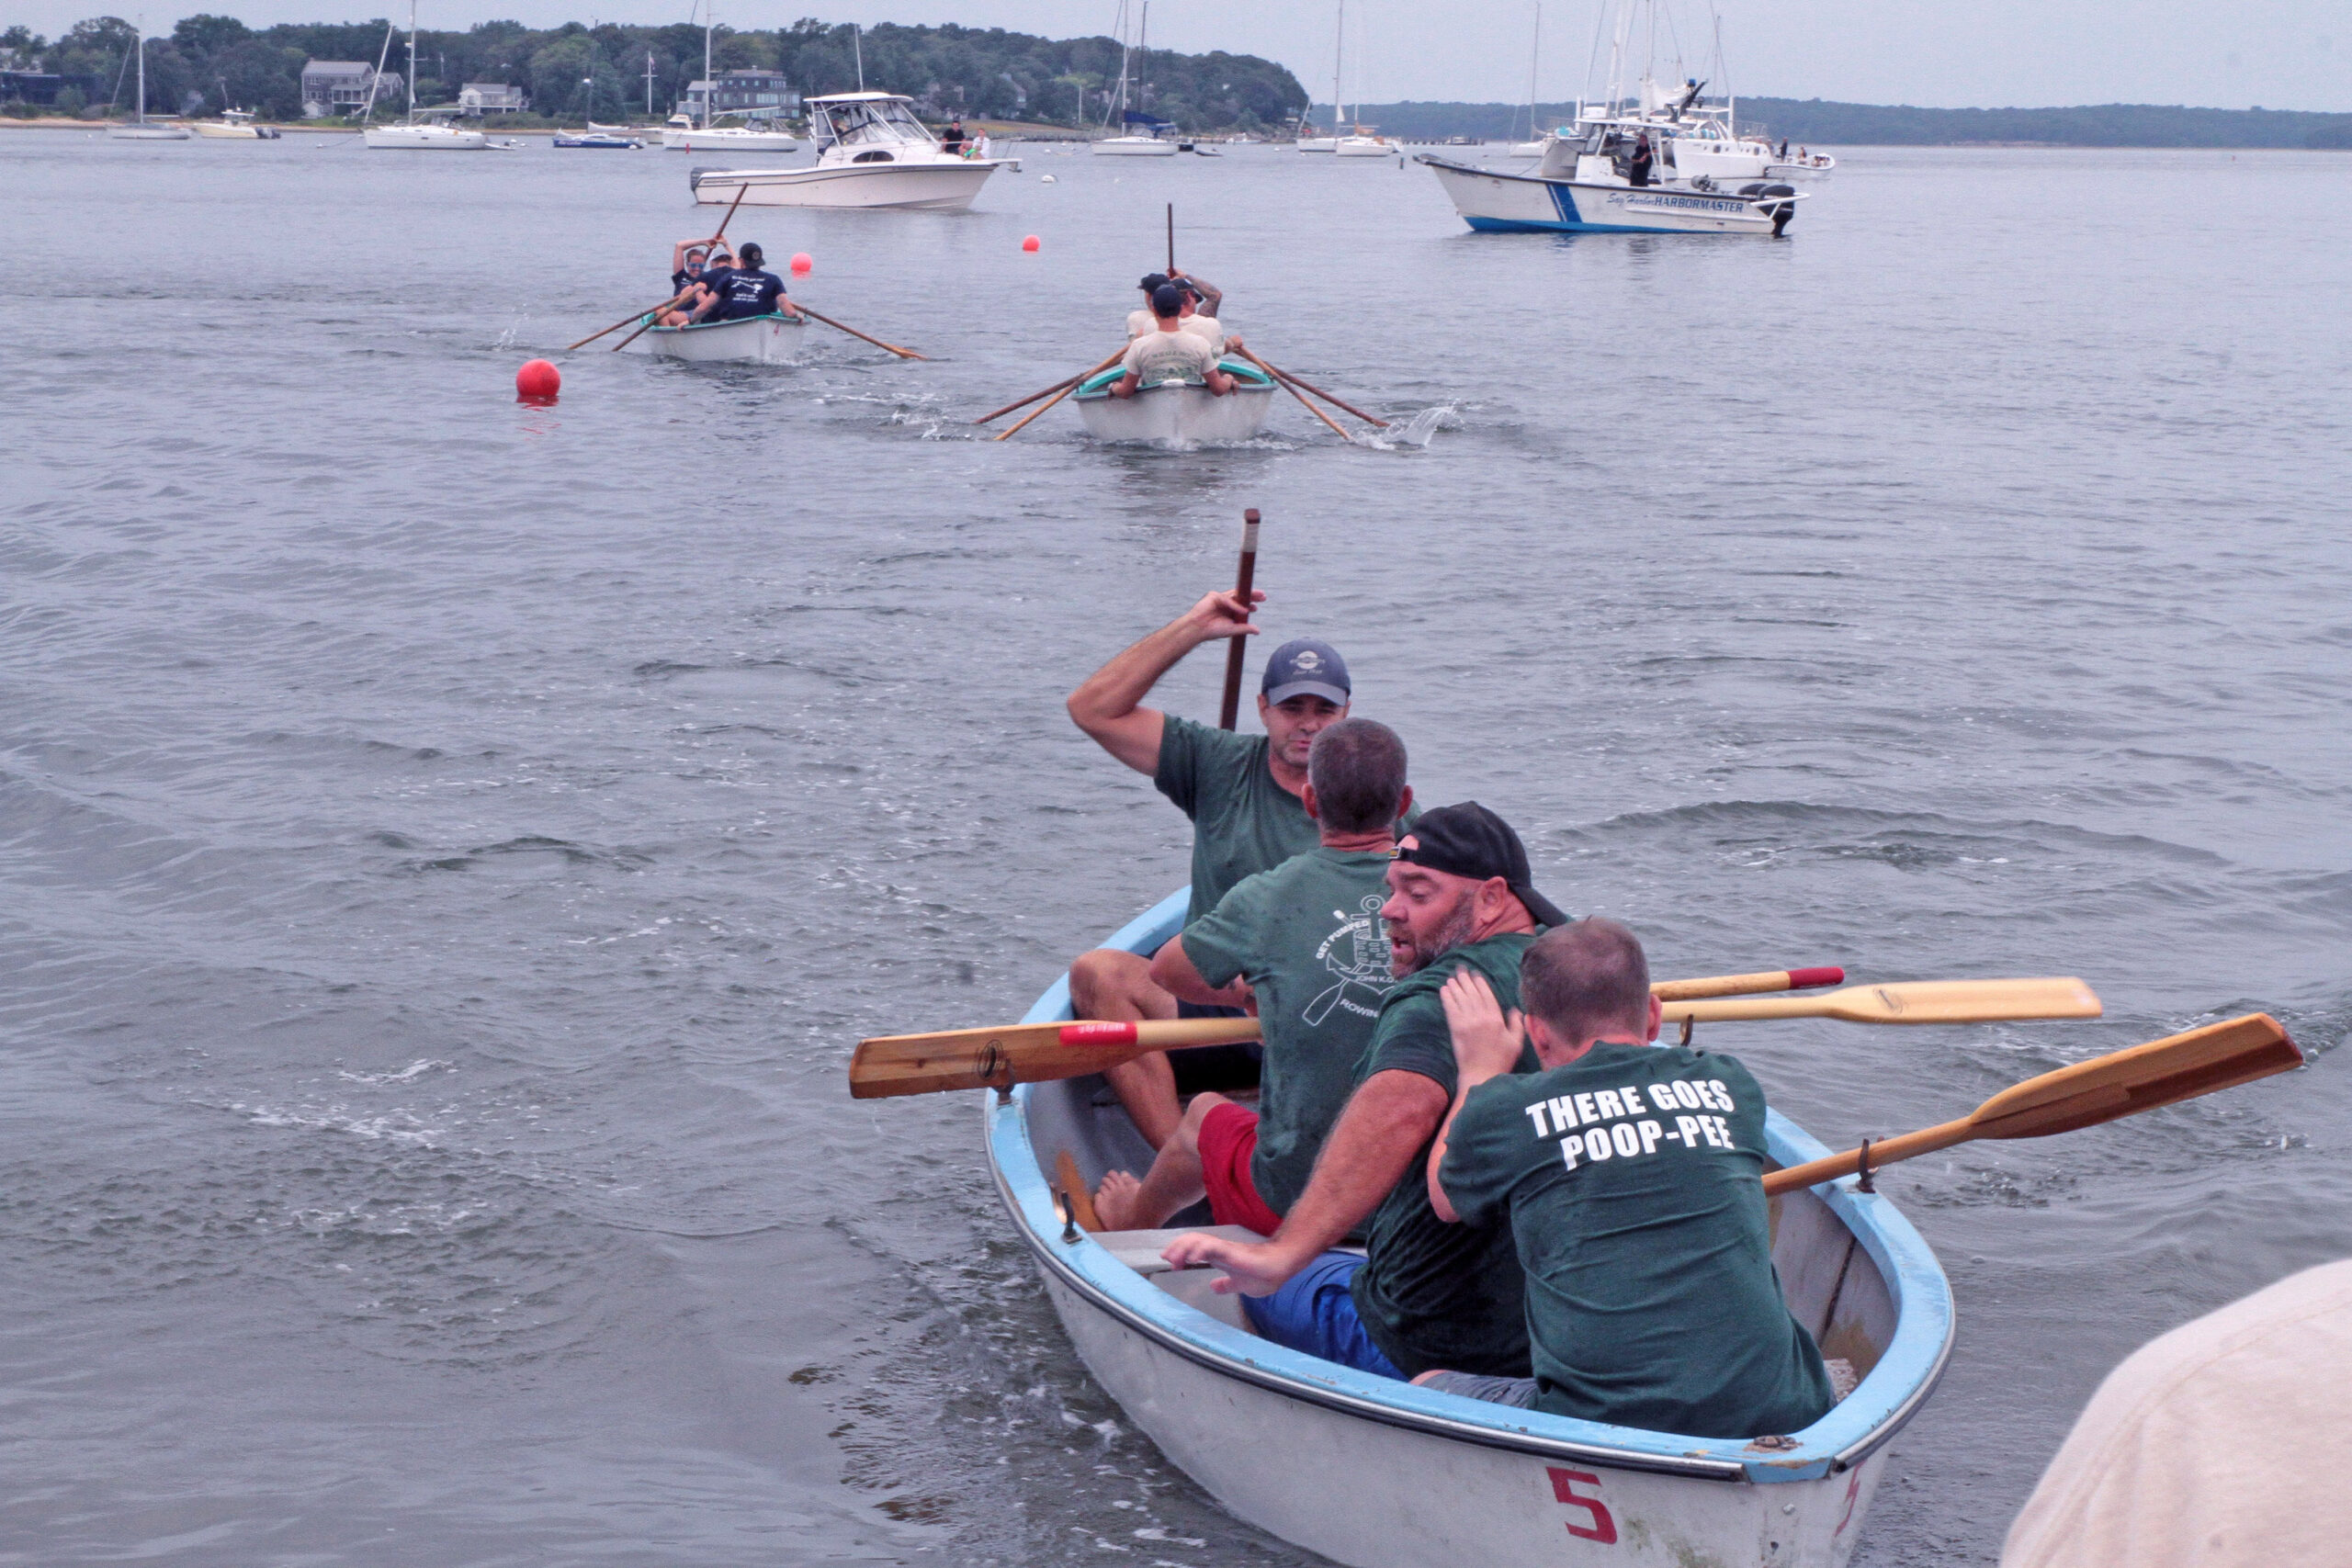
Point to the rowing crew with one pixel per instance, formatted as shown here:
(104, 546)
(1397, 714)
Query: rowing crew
(1557, 1212)
(1172, 338)
(708, 285)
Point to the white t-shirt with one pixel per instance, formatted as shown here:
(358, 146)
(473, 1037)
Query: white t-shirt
(2204, 1449)
(1140, 323)
(1207, 327)
(1169, 356)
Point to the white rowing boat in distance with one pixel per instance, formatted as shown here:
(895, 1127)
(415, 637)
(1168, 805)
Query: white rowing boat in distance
(753, 340)
(1377, 1473)
(1177, 413)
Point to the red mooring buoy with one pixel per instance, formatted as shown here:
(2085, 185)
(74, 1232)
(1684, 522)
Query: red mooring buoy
(801, 263)
(1030, 245)
(538, 382)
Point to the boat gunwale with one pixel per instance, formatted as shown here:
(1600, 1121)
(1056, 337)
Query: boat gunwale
(735, 322)
(1921, 1297)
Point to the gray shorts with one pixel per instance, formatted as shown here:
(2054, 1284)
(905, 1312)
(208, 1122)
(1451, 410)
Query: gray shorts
(1519, 1392)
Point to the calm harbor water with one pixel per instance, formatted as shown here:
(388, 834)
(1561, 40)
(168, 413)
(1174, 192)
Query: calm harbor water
(448, 848)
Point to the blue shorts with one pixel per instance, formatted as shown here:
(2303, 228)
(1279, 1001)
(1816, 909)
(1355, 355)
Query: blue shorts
(1315, 1312)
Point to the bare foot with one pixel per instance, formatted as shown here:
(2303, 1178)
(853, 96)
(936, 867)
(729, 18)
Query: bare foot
(1115, 1202)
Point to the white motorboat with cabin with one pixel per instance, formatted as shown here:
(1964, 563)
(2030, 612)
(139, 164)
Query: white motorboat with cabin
(774, 339)
(613, 140)
(235, 125)
(1341, 1462)
(139, 128)
(1177, 413)
(877, 153)
(431, 134)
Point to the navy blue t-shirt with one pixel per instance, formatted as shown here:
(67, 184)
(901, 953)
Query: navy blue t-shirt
(681, 281)
(746, 291)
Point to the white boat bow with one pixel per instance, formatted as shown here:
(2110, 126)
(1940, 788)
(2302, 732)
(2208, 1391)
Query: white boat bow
(753, 340)
(877, 154)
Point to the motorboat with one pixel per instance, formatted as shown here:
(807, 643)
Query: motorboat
(682, 135)
(1806, 164)
(235, 125)
(875, 153)
(752, 340)
(1177, 413)
(139, 128)
(593, 138)
(1376, 1473)
(414, 135)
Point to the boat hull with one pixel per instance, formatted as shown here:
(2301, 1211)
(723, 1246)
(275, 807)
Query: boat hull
(146, 133)
(213, 131)
(423, 139)
(724, 140)
(944, 186)
(1177, 414)
(1493, 200)
(756, 340)
(1377, 1473)
(1133, 147)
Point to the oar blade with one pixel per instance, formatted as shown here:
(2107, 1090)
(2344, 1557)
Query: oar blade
(2162, 1072)
(891, 1065)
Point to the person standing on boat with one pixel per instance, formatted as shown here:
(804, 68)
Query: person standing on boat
(1426, 1294)
(1630, 1176)
(1302, 944)
(1169, 353)
(1637, 171)
(1244, 792)
(745, 290)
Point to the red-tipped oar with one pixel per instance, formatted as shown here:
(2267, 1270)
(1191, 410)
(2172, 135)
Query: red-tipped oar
(1912, 1001)
(2162, 1072)
(892, 1065)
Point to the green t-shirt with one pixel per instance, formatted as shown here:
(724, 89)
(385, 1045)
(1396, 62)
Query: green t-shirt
(1433, 1294)
(1243, 822)
(1631, 1181)
(1308, 937)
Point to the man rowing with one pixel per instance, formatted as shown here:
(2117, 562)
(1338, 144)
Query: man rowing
(1303, 942)
(1245, 794)
(746, 290)
(1630, 1177)
(1192, 318)
(1140, 320)
(1427, 1295)
(1169, 353)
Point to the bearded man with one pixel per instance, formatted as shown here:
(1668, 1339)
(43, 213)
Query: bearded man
(1426, 1294)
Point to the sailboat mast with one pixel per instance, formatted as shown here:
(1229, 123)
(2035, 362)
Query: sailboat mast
(142, 71)
(1534, 63)
(1338, 62)
(706, 20)
(411, 61)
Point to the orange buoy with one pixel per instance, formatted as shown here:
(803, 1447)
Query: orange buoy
(1030, 245)
(538, 382)
(801, 263)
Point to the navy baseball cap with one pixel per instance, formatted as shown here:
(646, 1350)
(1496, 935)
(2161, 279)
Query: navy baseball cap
(1305, 667)
(1470, 840)
(1153, 281)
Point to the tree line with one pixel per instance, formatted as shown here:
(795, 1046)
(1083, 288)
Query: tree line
(1819, 122)
(207, 62)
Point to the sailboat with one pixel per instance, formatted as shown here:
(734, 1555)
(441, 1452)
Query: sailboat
(428, 135)
(137, 129)
(681, 134)
(1132, 144)
(1339, 56)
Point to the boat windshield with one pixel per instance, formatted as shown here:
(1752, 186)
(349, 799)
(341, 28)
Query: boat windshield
(886, 124)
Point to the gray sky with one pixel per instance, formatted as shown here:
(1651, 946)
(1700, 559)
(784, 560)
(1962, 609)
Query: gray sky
(2277, 53)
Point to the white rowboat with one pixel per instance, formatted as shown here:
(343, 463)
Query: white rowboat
(1177, 413)
(1376, 1473)
(753, 340)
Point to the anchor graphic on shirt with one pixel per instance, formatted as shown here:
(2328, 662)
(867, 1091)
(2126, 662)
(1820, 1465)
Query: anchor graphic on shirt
(1358, 953)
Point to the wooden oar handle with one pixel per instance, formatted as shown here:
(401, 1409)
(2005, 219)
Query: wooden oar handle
(1759, 984)
(1163, 1033)
(1229, 711)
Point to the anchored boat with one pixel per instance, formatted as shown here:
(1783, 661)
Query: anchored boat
(1377, 1473)
(1582, 187)
(877, 153)
(1177, 412)
(235, 125)
(751, 340)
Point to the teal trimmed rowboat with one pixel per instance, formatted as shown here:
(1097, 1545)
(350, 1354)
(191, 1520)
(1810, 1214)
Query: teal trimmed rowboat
(1177, 413)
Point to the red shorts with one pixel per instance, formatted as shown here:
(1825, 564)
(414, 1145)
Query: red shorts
(1228, 1137)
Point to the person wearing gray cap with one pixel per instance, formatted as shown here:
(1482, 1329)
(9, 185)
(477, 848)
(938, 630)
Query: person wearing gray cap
(1425, 1295)
(1242, 792)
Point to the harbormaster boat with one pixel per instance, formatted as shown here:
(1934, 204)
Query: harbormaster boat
(1341, 1461)
(875, 153)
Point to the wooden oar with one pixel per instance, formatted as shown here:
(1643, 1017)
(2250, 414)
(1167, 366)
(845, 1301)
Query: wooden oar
(1282, 375)
(2162, 1072)
(1067, 387)
(1044, 392)
(1229, 712)
(1911, 1001)
(901, 353)
(891, 1065)
(657, 310)
(1295, 392)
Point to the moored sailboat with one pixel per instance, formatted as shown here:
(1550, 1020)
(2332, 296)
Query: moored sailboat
(414, 135)
(140, 127)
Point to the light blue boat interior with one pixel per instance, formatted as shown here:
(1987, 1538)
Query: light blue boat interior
(1854, 1269)
(1248, 374)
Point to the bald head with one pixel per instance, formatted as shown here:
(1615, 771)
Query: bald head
(1586, 980)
